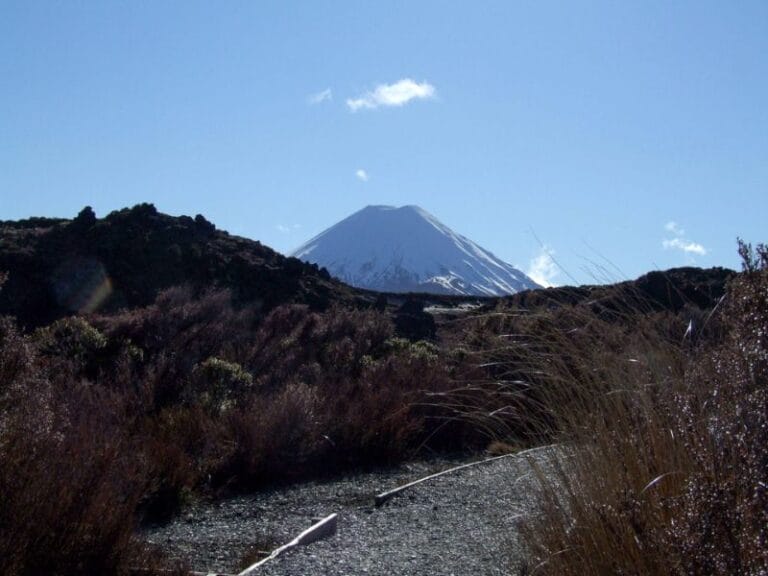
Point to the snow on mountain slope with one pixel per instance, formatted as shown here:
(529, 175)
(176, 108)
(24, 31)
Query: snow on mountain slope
(407, 249)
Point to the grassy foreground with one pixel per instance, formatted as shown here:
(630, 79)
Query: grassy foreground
(664, 468)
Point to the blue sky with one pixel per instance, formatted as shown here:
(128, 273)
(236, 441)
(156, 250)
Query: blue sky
(619, 137)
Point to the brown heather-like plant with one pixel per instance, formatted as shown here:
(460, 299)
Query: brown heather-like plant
(109, 420)
(662, 466)
(69, 481)
(335, 420)
(246, 402)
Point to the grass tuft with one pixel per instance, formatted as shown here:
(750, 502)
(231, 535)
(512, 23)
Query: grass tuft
(663, 456)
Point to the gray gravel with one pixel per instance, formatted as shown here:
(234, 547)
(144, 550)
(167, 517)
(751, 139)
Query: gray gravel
(460, 523)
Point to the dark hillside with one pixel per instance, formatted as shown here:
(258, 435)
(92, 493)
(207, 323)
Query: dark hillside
(669, 290)
(59, 267)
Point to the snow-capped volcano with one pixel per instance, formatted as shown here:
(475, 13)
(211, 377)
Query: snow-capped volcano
(407, 249)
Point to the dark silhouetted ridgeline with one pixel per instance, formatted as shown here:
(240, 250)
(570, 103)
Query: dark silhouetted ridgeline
(60, 267)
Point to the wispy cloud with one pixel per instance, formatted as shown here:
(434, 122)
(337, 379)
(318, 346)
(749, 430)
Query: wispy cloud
(684, 245)
(397, 94)
(362, 175)
(283, 229)
(674, 228)
(542, 268)
(319, 97)
(680, 242)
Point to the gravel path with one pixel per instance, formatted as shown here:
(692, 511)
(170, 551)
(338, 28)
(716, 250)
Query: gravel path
(459, 523)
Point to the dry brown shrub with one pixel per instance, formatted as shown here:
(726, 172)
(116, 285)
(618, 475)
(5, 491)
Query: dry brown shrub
(70, 477)
(181, 448)
(275, 437)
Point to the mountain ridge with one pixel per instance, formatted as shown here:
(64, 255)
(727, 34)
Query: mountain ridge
(59, 266)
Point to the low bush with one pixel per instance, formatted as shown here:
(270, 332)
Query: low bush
(217, 385)
(68, 481)
(153, 407)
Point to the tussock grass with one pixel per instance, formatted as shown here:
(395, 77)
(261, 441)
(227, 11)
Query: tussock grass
(663, 463)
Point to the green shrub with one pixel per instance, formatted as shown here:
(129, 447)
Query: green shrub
(217, 384)
(73, 338)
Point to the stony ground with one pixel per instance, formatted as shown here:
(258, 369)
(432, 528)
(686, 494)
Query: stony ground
(461, 523)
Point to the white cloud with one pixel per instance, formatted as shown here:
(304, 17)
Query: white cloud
(684, 245)
(674, 228)
(283, 229)
(543, 268)
(362, 175)
(322, 96)
(397, 94)
(680, 242)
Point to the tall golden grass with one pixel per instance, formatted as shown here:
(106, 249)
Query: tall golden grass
(663, 465)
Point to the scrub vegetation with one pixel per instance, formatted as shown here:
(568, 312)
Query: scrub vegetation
(125, 398)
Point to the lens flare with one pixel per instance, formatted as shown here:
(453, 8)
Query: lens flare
(98, 295)
(81, 285)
